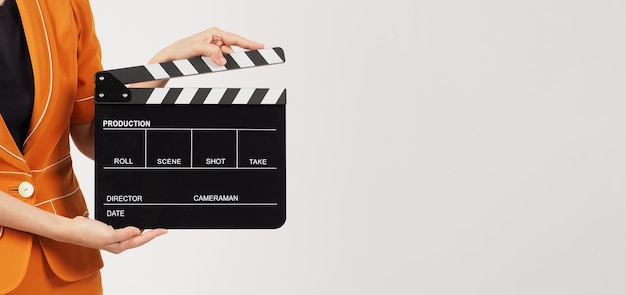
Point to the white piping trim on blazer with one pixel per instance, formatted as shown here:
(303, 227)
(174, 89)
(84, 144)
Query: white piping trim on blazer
(43, 22)
(84, 99)
(12, 154)
(16, 173)
(51, 165)
(59, 198)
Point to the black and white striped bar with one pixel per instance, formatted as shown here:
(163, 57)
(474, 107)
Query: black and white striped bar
(198, 65)
(197, 96)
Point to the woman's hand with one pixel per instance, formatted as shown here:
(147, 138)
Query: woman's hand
(212, 42)
(95, 234)
(79, 230)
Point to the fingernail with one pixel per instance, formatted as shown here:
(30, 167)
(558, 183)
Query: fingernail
(222, 60)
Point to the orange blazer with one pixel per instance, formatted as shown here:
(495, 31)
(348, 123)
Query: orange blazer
(65, 54)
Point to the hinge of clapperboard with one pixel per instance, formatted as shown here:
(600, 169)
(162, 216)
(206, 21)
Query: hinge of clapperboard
(111, 84)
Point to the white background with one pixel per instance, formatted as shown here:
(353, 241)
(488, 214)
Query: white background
(434, 147)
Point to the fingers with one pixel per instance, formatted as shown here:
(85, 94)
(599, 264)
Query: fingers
(126, 233)
(133, 241)
(119, 237)
(220, 42)
(226, 38)
(227, 49)
(213, 43)
(215, 53)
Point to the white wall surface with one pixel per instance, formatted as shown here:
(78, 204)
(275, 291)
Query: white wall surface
(434, 147)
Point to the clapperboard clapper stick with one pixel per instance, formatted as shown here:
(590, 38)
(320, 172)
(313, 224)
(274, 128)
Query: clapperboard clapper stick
(190, 158)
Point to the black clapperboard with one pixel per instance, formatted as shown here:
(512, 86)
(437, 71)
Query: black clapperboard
(190, 158)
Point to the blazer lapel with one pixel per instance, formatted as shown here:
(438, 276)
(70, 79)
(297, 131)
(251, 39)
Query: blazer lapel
(38, 42)
(9, 152)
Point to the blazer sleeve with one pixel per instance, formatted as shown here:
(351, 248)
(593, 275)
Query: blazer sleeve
(89, 62)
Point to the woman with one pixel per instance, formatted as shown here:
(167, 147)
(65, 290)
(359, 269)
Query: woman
(48, 55)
